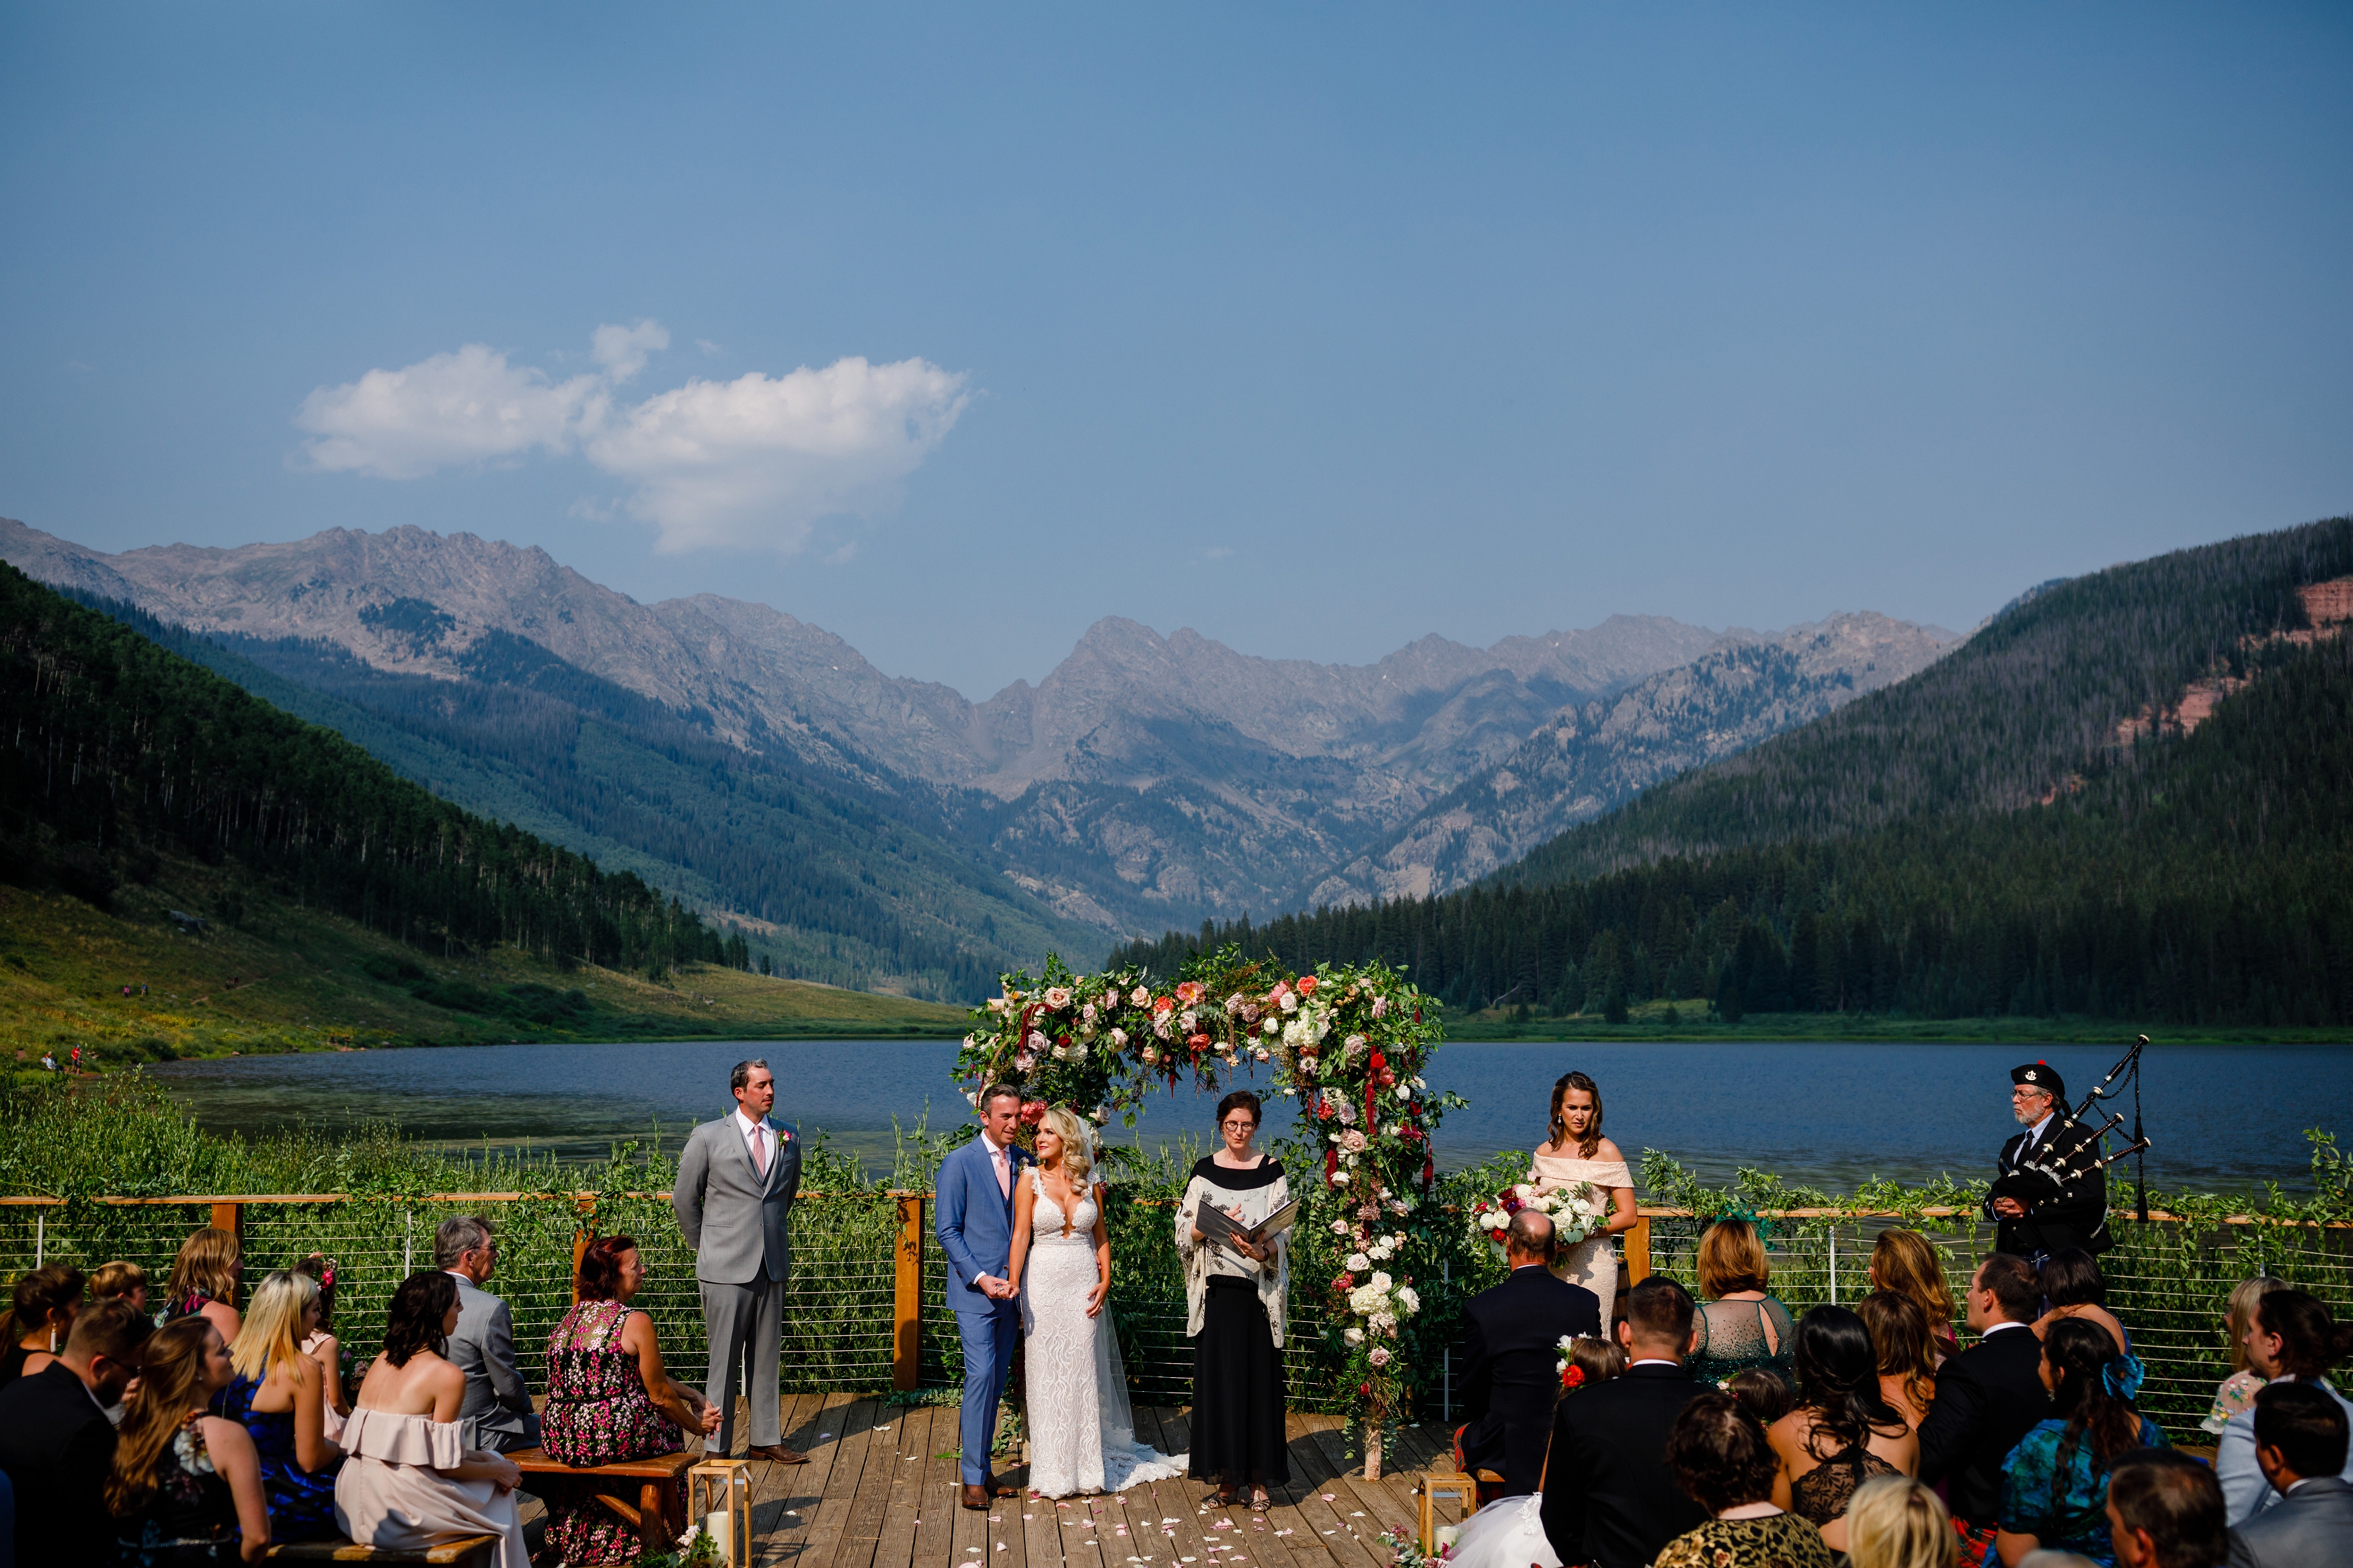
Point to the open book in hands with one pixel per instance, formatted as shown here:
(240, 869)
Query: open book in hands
(1216, 1225)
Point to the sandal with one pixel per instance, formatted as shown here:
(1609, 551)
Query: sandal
(1259, 1500)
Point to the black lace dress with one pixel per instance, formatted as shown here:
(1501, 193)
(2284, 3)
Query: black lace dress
(190, 1517)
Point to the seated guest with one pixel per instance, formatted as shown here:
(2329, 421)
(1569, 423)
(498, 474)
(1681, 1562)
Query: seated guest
(1987, 1397)
(2055, 1485)
(498, 1401)
(2071, 1288)
(1512, 1337)
(56, 1442)
(41, 1315)
(409, 1478)
(1607, 1500)
(321, 1345)
(1724, 1462)
(2238, 1390)
(184, 1488)
(1907, 1355)
(609, 1398)
(1763, 1396)
(1908, 1263)
(1742, 1325)
(2290, 1337)
(2165, 1510)
(2300, 1442)
(127, 1280)
(1842, 1433)
(204, 1281)
(278, 1396)
(1896, 1523)
(1509, 1532)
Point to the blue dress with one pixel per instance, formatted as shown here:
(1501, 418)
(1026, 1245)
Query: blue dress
(302, 1505)
(2064, 1511)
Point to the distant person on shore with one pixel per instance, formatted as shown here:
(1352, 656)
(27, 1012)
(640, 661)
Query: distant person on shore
(1742, 1325)
(2237, 1393)
(41, 1315)
(737, 1178)
(1987, 1397)
(2051, 1191)
(498, 1400)
(55, 1440)
(1908, 1263)
(2293, 1339)
(1575, 1156)
(205, 1280)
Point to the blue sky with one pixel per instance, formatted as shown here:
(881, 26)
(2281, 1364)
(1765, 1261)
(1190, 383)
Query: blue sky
(1315, 329)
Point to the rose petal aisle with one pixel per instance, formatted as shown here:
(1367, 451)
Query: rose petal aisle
(1350, 1042)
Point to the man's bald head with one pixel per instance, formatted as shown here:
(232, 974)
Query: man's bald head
(1528, 1238)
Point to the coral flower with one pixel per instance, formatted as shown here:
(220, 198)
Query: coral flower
(1188, 992)
(1307, 986)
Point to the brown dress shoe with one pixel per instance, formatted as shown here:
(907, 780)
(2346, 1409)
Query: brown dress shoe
(776, 1454)
(975, 1496)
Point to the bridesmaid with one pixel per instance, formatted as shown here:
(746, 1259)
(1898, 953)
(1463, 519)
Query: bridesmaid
(1579, 1156)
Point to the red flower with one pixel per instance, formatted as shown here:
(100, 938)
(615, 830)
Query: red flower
(1573, 1378)
(1164, 1003)
(1199, 1042)
(1366, 1389)
(1344, 1283)
(1033, 1111)
(1307, 986)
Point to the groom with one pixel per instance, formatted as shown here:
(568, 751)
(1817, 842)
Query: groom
(734, 1198)
(976, 1229)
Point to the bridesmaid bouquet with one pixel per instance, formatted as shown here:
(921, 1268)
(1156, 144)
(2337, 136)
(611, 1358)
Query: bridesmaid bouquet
(1573, 1215)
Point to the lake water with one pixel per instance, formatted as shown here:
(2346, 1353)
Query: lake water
(2224, 1117)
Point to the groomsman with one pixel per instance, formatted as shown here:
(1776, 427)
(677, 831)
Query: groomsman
(736, 1182)
(2051, 1191)
(975, 1220)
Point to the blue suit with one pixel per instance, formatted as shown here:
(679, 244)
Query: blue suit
(974, 1222)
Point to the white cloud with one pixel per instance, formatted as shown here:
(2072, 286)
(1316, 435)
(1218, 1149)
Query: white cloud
(752, 462)
(757, 459)
(470, 406)
(707, 347)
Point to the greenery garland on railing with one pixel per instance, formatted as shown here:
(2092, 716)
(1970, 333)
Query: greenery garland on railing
(1350, 1041)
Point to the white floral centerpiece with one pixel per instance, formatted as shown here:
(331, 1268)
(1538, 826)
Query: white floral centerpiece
(1573, 1215)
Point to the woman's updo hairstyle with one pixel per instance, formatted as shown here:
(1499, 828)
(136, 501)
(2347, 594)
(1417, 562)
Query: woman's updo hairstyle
(2311, 1342)
(600, 1266)
(2071, 1278)
(1719, 1454)
(1246, 1101)
(413, 1323)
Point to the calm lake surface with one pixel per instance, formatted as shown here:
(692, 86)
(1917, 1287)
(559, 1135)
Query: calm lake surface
(2224, 1117)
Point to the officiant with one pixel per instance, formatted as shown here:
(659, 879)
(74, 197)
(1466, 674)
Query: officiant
(1234, 1294)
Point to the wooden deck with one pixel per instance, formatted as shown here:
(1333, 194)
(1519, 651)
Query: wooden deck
(879, 1492)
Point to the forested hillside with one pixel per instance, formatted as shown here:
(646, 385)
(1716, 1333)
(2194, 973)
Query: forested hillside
(2001, 833)
(831, 883)
(117, 752)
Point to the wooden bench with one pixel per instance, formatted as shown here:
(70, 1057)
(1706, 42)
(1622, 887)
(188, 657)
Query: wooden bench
(659, 1516)
(461, 1552)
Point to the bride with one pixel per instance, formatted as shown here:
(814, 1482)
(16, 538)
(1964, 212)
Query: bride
(1081, 1432)
(1579, 1156)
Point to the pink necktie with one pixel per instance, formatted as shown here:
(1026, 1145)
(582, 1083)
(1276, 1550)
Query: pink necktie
(1004, 1176)
(759, 1151)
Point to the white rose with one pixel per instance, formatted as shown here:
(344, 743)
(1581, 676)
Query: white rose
(1339, 1178)
(1119, 1037)
(1357, 1260)
(1409, 1299)
(1381, 1282)
(1290, 1002)
(1405, 1091)
(1139, 996)
(1352, 1041)
(1354, 1336)
(1272, 1027)
(1418, 1084)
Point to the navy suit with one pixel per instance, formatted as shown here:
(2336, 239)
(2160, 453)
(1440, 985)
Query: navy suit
(1511, 1334)
(974, 1218)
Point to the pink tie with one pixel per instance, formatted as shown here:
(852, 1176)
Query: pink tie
(1004, 1176)
(759, 1151)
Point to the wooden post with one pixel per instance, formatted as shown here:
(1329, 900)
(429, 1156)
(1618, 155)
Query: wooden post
(230, 1218)
(906, 1341)
(1638, 1252)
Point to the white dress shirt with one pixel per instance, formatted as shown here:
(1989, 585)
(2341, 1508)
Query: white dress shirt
(759, 1140)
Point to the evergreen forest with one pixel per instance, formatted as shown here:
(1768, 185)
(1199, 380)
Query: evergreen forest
(1993, 837)
(118, 753)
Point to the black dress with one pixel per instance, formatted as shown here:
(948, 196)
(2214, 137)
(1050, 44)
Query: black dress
(190, 1517)
(1238, 1437)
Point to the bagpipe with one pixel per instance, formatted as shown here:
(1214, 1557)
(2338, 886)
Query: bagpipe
(2047, 1176)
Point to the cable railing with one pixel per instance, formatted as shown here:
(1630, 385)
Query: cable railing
(865, 1307)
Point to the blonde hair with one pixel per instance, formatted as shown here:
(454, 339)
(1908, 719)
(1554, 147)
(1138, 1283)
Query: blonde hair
(271, 1329)
(1906, 1262)
(210, 1261)
(1896, 1523)
(1731, 1258)
(116, 1278)
(2243, 1297)
(1078, 1152)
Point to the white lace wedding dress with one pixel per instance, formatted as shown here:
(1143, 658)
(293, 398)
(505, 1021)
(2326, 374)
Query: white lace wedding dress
(1081, 1431)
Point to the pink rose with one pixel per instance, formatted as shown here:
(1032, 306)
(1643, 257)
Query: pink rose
(1380, 1005)
(1139, 996)
(1188, 992)
(1058, 997)
(1380, 1356)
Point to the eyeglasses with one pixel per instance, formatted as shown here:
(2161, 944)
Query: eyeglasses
(1238, 1125)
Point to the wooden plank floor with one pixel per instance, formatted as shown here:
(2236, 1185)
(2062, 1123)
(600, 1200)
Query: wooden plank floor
(879, 1492)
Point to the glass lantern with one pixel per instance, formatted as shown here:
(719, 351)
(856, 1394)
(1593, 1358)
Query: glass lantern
(719, 1499)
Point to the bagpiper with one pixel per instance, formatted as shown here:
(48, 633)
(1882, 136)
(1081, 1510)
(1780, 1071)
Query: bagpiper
(2051, 1190)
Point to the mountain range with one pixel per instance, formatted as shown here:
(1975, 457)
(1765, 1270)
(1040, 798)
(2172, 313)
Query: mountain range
(876, 830)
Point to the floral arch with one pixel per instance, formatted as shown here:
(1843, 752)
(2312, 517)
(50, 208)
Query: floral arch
(1350, 1042)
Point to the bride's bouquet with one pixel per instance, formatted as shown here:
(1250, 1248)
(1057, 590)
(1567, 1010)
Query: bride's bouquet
(1573, 1215)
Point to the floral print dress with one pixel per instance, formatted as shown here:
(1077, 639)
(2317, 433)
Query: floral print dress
(191, 1516)
(599, 1413)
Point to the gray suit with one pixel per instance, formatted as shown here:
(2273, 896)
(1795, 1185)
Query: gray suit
(498, 1402)
(740, 1225)
(2311, 1526)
